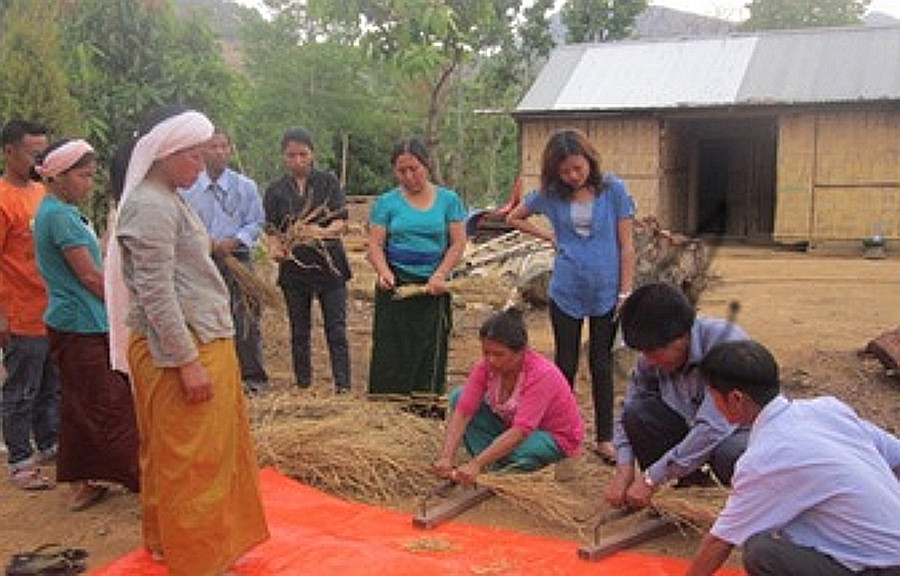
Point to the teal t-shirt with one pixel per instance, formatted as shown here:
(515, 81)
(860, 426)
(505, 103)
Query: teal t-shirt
(417, 239)
(71, 306)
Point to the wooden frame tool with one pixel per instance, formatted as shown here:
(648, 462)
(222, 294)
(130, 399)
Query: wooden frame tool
(653, 525)
(456, 501)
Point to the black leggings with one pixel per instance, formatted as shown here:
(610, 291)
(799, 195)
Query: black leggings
(567, 338)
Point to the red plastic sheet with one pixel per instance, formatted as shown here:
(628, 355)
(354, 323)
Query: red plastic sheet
(314, 533)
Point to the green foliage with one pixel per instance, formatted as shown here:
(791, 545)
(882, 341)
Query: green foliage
(783, 14)
(127, 57)
(333, 90)
(430, 41)
(600, 20)
(33, 76)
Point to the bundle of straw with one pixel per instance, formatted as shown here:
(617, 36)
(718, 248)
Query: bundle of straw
(694, 507)
(252, 286)
(369, 451)
(540, 495)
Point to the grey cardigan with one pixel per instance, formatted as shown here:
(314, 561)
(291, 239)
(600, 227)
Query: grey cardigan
(176, 292)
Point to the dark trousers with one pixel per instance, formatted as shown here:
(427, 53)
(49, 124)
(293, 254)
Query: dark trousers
(247, 339)
(333, 304)
(653, 429)
(29, 403)
(567, 339)
(767, 555)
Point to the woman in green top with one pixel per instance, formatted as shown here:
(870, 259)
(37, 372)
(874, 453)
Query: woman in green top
(416, 236)
(98, 437)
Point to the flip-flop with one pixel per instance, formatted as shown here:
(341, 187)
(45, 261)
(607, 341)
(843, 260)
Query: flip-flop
(48, 560)
(31, 479)
(97, 495)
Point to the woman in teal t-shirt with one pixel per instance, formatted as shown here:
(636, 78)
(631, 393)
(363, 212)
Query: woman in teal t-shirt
(98, 438)
(416, 236)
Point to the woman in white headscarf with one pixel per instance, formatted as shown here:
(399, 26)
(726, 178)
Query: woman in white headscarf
(200, 500)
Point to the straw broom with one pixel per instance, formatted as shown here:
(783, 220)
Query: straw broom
(252, 286)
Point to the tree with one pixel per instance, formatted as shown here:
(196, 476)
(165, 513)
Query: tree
(781, 14)
(330, 88)
(600, 20)
(33, 75)
(129, 56)
(428, 40)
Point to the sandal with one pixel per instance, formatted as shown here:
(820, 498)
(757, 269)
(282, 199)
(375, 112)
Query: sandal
(48, 560)
(31, 479)
(96, 495)
(605, 457)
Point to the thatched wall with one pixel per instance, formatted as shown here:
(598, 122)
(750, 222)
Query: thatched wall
(838, 175)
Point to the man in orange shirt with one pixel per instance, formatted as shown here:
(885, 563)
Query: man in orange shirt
(29, 405)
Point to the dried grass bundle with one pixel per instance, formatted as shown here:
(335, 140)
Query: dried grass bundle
(694, 507)
(369, 451)
(257, 290)
(540, 495)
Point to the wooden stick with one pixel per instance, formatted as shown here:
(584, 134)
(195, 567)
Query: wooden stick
(648, 529)
(455, 505)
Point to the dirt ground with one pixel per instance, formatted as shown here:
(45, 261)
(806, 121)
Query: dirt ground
(814, 310)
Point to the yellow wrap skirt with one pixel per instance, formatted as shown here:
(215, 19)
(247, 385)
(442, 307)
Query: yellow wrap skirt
(200, 498)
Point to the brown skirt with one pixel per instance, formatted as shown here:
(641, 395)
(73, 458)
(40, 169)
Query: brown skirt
(98, 436)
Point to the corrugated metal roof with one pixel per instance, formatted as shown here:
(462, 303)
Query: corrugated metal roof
(807, 66)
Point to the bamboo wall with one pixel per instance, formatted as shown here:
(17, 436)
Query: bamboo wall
(629, 147)
(838, 175)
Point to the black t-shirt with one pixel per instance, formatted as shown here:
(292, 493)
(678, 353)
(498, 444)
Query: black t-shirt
(323, 264)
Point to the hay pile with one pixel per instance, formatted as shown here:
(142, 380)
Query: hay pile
(377, 453)
(369, 451)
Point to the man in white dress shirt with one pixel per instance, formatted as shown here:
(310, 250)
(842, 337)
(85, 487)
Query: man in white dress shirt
(816, 493)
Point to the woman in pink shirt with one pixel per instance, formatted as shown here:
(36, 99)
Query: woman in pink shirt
(516, 409)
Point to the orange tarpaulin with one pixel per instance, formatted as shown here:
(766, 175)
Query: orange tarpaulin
(314, 533)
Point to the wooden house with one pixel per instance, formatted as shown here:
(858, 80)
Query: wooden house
(791, 136)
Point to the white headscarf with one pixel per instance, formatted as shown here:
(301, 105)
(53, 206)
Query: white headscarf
(171, 135)
(63, 158)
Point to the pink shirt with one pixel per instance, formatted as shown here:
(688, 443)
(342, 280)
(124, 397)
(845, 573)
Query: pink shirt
(541, 400)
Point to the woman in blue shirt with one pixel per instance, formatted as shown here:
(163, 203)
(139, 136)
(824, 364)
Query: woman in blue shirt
(591, 214)
(98, 437)
(416, 236)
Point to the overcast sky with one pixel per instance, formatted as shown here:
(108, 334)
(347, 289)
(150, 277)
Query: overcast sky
(729, 9)
(734, 9)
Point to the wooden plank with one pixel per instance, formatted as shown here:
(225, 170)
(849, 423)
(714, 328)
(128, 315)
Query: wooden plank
(454, 505)
(648, 529)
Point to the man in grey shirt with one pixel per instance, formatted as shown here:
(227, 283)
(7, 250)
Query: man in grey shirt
(669, 423)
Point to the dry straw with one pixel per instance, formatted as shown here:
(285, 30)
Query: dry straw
(256, 290)
(376, 452)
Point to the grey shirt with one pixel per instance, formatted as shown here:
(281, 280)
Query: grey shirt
(684, 392)
(176, 292)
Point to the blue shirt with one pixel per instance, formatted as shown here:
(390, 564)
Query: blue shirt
(822, 477)
(71, 307)
(417, 239)
(684, 392)
(230, 207)
(585, 280)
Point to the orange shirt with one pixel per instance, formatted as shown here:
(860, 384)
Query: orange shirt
(23, 296)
